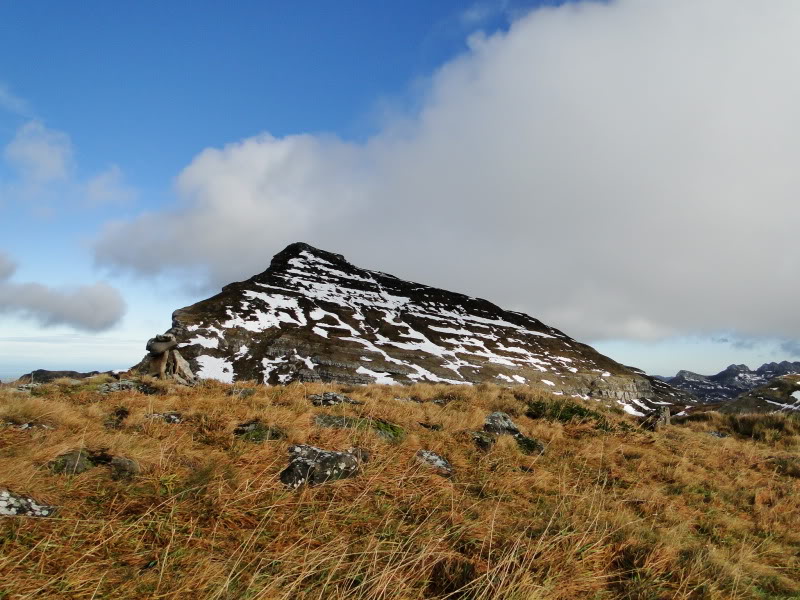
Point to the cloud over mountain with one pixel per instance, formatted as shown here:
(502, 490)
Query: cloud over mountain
(93, 307)
(622, 169)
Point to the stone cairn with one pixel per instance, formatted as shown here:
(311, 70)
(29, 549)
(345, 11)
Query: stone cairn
(166, 362)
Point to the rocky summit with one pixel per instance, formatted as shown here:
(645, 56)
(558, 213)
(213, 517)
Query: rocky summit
(312, 316)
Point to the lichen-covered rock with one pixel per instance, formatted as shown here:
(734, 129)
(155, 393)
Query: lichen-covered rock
(529, 445)
(73, 462)
(173, 418)
(437, 462)
(386, 430)
(338, 421)
(28, 387)
(81, 460)
(331, 399)
(484, 441)
(501, 424)
(256, 431)
(123, 385)
(123, 468)
(26, 426)
(431, 426)
(313, 466)
(15, 505)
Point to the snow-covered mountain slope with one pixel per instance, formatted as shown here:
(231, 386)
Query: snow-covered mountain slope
(781, 394)
(312, 316)
(732, 381)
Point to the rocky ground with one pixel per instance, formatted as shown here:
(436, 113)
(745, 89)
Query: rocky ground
(365, 492)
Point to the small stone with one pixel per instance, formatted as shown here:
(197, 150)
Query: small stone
(173, 418)
(122, 385)
(332, 399)
(437, 462)
(431, 426)
(255, 431)
(529, 445)
(484, 441)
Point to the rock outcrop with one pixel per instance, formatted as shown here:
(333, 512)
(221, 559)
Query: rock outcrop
(313, 316)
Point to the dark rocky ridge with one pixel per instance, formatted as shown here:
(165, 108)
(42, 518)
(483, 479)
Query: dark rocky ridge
(732, 381)
(781, 394)
(45, 376)
(312, 316)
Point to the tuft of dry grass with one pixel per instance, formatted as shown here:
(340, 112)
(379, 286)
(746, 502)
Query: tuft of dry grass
(609, 511)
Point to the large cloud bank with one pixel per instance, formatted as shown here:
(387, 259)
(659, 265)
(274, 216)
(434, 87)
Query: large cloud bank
(93, 307)
(623, 169)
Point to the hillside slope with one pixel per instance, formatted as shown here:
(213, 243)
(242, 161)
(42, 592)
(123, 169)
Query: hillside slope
(313, 316)
(201, 508)
(779, 394)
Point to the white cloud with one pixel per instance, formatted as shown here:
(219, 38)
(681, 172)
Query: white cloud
(40, 154)
(47, 173)
(93, 307)
(109, 187)
(622, 169)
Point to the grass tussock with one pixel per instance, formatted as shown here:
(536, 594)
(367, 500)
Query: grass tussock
(778, 428)
(609, 511)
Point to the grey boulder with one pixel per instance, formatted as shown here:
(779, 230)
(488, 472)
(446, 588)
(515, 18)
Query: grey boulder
(501, 424)
(313, 466)
(435, 461)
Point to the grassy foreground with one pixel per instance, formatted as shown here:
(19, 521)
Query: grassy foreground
(609, 511)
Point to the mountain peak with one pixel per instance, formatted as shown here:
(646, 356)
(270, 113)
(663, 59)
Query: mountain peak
(313, 316)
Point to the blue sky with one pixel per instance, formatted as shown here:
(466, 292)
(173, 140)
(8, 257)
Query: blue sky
(119, 120)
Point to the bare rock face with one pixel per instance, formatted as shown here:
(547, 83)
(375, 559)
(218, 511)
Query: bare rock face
(312, 316)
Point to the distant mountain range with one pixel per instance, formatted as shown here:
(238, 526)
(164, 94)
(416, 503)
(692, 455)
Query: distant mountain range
(731, 382)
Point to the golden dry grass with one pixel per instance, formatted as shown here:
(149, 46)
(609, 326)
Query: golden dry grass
(602, 514)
